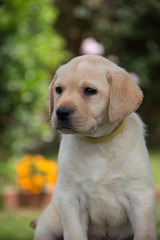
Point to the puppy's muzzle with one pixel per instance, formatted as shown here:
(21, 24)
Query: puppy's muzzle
(64, 113)
(64, 116)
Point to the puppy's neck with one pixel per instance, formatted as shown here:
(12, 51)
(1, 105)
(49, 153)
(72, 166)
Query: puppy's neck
(104, 129)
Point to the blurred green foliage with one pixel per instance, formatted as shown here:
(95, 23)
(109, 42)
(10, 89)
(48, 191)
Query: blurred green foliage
(30, 50)
(129, 30)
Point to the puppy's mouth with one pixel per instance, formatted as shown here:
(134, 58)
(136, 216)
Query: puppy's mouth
(65, 127)
(65, 122)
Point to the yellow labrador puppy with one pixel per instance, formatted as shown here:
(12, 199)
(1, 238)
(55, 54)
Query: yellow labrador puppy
(104, 188)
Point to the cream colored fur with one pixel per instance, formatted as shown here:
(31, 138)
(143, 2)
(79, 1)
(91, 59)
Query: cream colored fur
(103, 189)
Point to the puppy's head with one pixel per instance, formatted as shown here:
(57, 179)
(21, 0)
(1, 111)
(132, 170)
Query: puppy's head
(87, 92)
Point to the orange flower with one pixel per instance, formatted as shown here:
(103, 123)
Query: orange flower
(35, 173)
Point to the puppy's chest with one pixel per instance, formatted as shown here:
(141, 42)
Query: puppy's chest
(91, 169)
(95, 179)
(99, 182)
(93, 173)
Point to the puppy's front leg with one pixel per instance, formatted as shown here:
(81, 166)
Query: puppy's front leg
(48, 226)
(74, 220)
(142, 215)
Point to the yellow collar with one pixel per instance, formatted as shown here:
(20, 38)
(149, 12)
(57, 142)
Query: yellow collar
(108, 137)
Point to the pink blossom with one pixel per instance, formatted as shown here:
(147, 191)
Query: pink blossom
(91, 46)
(135, 77)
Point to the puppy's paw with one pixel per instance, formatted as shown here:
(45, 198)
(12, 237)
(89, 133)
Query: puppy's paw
(33, 223)
(48, 226)
(46, 235)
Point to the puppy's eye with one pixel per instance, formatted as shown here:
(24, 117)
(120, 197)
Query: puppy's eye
(58, 90)
(89, 91)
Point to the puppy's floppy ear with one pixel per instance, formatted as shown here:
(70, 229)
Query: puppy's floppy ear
(125, 95)
(50, 103)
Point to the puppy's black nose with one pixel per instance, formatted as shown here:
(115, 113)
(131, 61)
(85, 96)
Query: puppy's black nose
(63, 113)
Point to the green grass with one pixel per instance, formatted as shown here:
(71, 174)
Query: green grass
(15, 225)
(158, 221)
(155, 166)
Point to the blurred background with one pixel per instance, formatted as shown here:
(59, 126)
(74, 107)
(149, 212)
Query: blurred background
(36, 37)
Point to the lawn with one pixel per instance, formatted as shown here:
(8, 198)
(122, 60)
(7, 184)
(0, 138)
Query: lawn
(155, 166)
(15, 225)
(158, 221)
